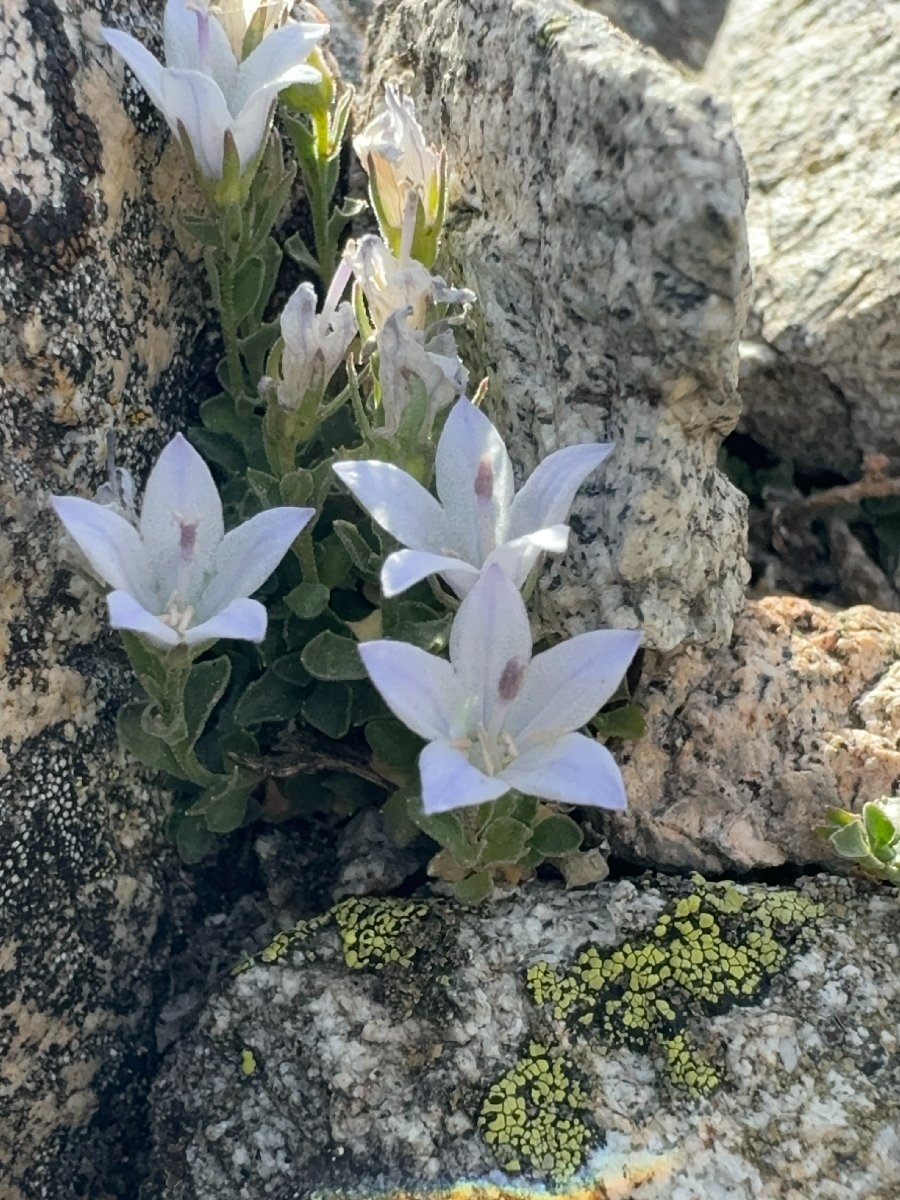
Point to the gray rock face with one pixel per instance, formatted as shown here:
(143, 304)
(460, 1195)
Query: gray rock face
(681, 30)
(98, 313)
(398, 1048)
(812, 86)
(597, 212)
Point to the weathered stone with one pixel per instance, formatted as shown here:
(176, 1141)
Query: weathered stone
(682, 30)
(812, 83)
(347, 36)
(98, 315)
(597, 212)
(746, 747)
(497, 1047)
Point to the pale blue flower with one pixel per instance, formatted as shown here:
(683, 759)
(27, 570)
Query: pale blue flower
(494, 717)
(204, 93)
(315, 343)
(177, 577)
(477, 519)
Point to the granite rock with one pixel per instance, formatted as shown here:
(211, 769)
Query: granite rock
(98, 320)
(401, 1048)
(747, 746)
(680, 30)
(597, 210)
(812, 83)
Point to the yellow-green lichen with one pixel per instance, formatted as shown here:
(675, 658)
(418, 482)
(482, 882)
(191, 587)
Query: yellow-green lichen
(248, 1062)
(374, 933)
(713, 948)
(531, 1117)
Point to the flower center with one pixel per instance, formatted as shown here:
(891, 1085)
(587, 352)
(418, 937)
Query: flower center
(178, 614)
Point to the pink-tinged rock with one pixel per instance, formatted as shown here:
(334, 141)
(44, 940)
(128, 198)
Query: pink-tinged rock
(746, 747)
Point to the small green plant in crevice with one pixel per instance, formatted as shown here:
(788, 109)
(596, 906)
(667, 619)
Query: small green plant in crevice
(869, 839)
(339, 614)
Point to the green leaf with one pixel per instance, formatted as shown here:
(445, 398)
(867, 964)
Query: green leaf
(148, 665)
(268, 698)
(308, 600)
(333, 561)
(290, 668)
(147, 749)
(503, 840)
(203, 230)
(300, 253)
(327, 708)
(219, 416)
(623, 721)
(446, 829)
(192, 839)
(248, 284)
(362, 555)
(264, 487)
(329, 656)
(879, 827)
(297, 487)
(224, 807)
(556, 836)
(474, 889)
(393, 745)
(219, 449)
(204, 689)
(256, 346)
(851, 841)
(411, 621)
(395, 813)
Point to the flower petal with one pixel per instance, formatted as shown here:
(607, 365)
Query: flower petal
(126, 613)
(450, 781)
(417, 687)
(250, 126)
(149, 70)
(197, 102)
(180, 492)
(566, 685)
(490, 645)
(248, 555)
(242, 619)
(396, 502)
(550, 489)
(573, 770)
(278, 60)
(474, 482)
(519, 556)
(109, 542)
(404, 568)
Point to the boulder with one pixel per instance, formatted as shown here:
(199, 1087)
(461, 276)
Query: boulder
(98, 323)
(662, 1038)
(746, 747)
(812, 85)
(597, 210)
(680, 30)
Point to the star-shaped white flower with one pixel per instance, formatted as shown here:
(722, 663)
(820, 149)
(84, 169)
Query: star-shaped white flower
(204, 93)
(477, 519)
(177, 577)
(494, 717)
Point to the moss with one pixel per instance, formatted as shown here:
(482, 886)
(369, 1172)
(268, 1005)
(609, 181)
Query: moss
(532, 1117)
(712, 948)
(374, 933)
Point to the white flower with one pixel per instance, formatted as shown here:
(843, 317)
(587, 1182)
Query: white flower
(204, 93)
(390, 284)
(178, 577)
(411, 357)
(398, 161)
(478, 519)
(315, 343)
(494, 717)
(238, 16)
